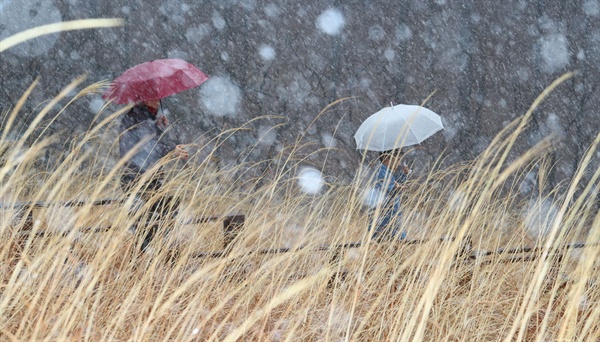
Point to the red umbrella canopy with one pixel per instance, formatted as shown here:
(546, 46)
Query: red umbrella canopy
(154, 80)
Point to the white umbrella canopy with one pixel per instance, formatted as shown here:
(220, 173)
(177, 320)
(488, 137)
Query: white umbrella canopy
(397, 126)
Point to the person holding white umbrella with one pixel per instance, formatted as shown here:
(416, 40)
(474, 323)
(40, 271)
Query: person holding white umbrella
(387, 132)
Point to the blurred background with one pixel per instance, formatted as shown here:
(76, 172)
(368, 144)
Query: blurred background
(484, 62)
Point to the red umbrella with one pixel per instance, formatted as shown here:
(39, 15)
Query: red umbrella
(154, 80)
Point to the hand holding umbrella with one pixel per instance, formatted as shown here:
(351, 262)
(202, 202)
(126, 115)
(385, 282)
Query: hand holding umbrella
(162, 122)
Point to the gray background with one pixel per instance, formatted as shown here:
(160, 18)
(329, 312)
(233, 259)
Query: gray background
(486, 60)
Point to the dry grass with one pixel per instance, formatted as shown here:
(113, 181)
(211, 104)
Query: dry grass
(82, 286)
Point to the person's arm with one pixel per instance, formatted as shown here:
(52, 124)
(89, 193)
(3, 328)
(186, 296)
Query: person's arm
(168, 145)
(404, 172)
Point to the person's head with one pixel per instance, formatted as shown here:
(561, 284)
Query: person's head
(152, 105)
(391, 158)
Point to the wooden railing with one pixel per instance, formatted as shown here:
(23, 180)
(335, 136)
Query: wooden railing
(234, 223)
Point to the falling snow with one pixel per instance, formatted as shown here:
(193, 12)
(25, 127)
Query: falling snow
(328, 140)
(554, 50)
(389, 54)
(591, 8)
(266, 52)
(96, 104)
(331, 22)
(271, 10)
(219, 96)
(539, 217)
(197, 33)
(372, 197)
(310, 181)
(486, 64)
(376, 33)
(403, 33)
(267, 135)
(218, 21)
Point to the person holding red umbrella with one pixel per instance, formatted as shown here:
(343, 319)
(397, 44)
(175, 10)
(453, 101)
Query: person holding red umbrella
(142, 140)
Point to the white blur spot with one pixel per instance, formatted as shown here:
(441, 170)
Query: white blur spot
(271, 10)
(365, 83)
(331, 22)
(224, 56)
(17, 16)
(196, 34)
(328, 140)
(528, 183)
(450, 130)
(176, 53)
(218, 21)
(440, 2)
(195, 331)
(403, 33)
(591, 8)
(539, 216)
(266, 135)
(248, 5)
(389, 54)
(554, 50)
(310, 180)
(523, 74)
(219, 96)
(554, 125)
(457, 200)
(373, 197)
(96, 104)
(376, 33)
(266, 52)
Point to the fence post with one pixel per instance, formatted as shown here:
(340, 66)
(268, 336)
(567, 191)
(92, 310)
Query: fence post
(232, 225)
(464, 251)
(20, 240)
(333, 262)
(462, 257)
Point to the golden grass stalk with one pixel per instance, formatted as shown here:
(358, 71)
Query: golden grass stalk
(38, 31)
(77, 285)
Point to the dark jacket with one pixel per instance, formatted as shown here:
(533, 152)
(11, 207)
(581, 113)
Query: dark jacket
(388, 223)
(139, 125)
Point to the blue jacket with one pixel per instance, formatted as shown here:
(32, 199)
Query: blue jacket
(385, 186)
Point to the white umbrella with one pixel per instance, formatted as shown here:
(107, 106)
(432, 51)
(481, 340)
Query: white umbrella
(397, 126)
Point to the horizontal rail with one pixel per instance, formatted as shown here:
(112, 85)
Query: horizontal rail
(472, 256)
(348, 245)
(525, 249)
(43, 204)
(197, 220)
(232, 223)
